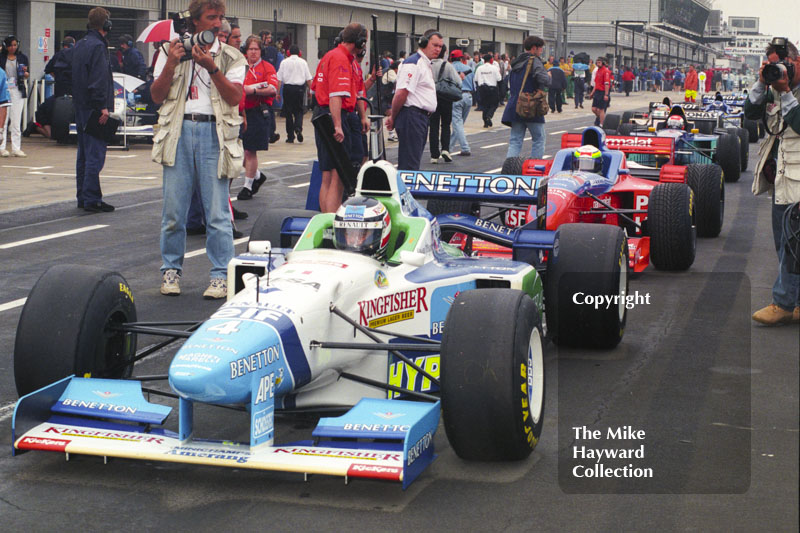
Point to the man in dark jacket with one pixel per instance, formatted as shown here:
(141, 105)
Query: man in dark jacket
(60, 67)
(132, 61)
(93, 90)
(537, 79)
(557, 85)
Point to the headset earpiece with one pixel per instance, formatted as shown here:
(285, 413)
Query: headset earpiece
(423, 41)
(107, 25)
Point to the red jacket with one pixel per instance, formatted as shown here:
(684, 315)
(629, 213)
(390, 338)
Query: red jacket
(628, 76)
(690, 84)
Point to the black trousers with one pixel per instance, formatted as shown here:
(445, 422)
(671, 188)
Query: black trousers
(554, 99)
(412, 130)
(293, 106)
(443, 115)
(489, 100)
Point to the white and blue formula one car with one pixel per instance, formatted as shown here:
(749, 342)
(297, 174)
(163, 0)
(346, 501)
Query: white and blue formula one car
(310, 328)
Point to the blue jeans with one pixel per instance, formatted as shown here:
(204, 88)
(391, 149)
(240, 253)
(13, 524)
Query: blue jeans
(460, 112)
(786, 290)
(196, 166)
(90, 161)
(518, 130)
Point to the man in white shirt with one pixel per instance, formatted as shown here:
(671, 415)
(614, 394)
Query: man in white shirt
(294, 77)
(414, 101)
(487, 76)
(196, 147)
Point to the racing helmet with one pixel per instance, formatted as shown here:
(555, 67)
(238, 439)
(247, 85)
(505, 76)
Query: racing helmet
(587, 158)
(362, 225)
(675, 122)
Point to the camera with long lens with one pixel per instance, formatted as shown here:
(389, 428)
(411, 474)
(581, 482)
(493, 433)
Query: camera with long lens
(181, 25)
(774, 70)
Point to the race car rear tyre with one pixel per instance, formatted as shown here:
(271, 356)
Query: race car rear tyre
(66, 327)
(268, 226)
(705, 127)
(587, 259)
(729, 157)
(63, 116)
(626, 118)
(611, 123)
(709, 191)
(744, 147)
(752, 129)
(625, 129)
(671, 224)
(492, 375)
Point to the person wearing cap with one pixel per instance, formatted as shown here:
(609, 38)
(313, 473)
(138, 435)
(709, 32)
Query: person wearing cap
(462, 107)
(132, 61)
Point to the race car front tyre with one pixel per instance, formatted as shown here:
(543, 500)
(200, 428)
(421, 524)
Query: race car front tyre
(709, 191)
(729, 157)
(671, 224)
(67, 327)
(492, 375)
(626, 129)
(611, 123)
(752, 129)
(744, 146)
(626, 118)
(587, 260)
(268, 226)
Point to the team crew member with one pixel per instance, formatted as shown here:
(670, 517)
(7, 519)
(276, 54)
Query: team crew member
(295, 77)
(93, 90)
(198, 144)
(690, 84)
(260, 87)
(60, 67)
(601, 91)
(487, 76)
(414, 101)
(333, 86)
(132, 60)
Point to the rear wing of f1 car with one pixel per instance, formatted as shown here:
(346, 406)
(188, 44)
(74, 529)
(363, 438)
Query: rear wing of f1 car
(377, 438)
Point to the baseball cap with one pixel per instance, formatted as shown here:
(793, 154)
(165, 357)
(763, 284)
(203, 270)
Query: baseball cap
(456, 54)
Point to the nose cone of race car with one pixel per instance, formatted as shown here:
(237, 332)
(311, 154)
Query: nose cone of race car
(220, 362)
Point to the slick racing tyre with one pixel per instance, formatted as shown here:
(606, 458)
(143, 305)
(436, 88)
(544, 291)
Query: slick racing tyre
(729, 157)
(671, 224)
(66, 327)
(588, 260)
(709, 191)
(492, 375)
(752, 130)
(611, 123)
(63, 116)
(626, 118)
(268, 227)
(625, 129)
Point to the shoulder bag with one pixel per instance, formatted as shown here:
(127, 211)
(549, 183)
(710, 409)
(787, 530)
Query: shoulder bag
(531, 105)
(446, 89)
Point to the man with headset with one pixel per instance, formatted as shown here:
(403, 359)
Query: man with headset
(93, 90)
(414, 101)
(132, 60)
(335, 89)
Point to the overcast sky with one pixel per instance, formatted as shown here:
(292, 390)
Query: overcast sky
(777, 17)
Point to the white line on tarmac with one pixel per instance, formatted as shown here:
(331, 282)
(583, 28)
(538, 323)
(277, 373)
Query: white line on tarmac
(494, 145)
(202, 251)
(52, 236)
(109, 176)
(29, 168)
(122, 156)
(7, 410)
(493, 171)
(299, 185)
(12, 304)
(558, 132)
(580, 128)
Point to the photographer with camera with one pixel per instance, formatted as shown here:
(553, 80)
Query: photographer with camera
(199, 86)
(774, 99)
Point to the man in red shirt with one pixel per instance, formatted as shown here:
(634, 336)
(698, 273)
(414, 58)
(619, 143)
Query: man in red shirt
(601, 92)
(627, 80)
(690, 84)
(335, 90)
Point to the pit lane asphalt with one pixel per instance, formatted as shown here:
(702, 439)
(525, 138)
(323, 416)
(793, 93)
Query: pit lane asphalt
(647, 376)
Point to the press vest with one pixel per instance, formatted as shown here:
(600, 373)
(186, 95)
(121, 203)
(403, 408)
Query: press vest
(787, 180)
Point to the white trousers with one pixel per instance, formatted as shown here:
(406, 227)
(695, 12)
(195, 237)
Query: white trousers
(14, 120)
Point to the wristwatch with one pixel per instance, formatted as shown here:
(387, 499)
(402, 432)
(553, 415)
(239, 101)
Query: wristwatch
(212, 72)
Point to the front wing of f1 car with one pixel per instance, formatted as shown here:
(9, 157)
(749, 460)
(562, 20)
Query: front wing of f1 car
(377, 438)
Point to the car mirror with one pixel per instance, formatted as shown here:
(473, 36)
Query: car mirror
(412, 258)
(259, 247)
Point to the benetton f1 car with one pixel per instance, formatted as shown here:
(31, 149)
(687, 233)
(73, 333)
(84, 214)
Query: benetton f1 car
(309, 328)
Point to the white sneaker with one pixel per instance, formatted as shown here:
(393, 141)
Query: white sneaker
(446, 156)
(217, 289)
(18, 153)
(4, 153)
(170, 282)
(434, 160)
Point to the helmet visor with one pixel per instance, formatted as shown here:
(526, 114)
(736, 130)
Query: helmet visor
(360, 237)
